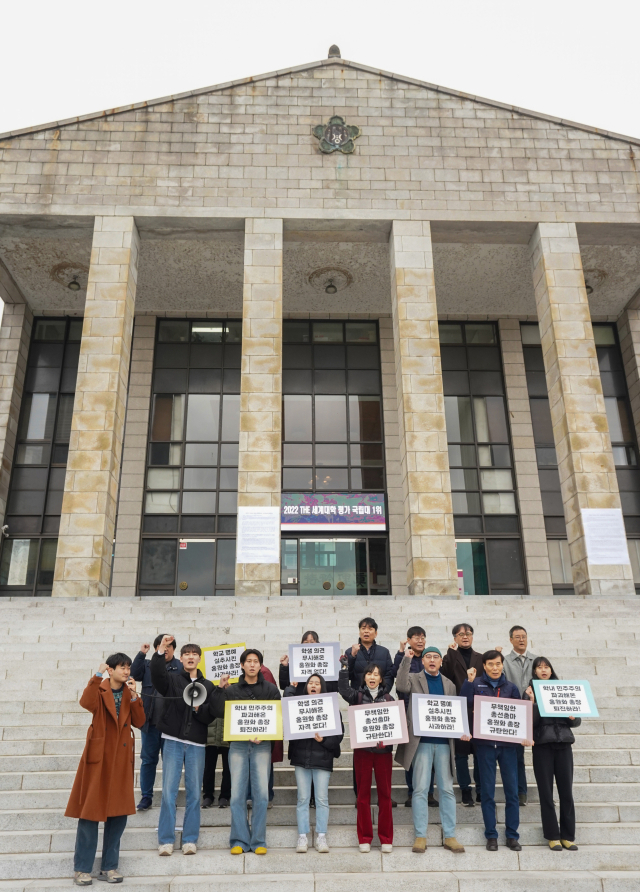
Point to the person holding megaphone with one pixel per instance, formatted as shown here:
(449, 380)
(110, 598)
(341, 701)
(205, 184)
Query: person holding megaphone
(189, 707)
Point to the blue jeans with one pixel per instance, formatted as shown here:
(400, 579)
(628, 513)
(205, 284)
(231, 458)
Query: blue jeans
(522, 772)
(506, 757)
(149, 756)
(249, 761)
(87, 843)
(463, 776)
(320, 780)
(175, 754)
(408, 776)
(435, 756)
(271, 793)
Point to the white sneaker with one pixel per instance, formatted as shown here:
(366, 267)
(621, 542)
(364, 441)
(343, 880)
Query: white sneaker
(189, 848)
(386, 848)
(166, 849)
(303, 845)
(322, 845)
(365, 846)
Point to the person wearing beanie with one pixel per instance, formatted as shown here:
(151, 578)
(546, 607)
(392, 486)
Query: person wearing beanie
(423, 753)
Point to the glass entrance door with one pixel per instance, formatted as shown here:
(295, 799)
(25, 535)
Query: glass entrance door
(196, 562)
(333, 567)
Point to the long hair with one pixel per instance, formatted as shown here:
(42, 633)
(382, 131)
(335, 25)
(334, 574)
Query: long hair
(323, 684)
(539, 661)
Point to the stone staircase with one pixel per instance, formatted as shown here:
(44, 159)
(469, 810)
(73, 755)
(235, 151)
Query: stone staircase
(50, 647)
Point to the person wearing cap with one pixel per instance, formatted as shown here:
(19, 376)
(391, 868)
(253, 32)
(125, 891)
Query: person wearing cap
(423, 753)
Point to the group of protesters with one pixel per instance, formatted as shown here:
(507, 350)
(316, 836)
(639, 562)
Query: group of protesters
(191, 737)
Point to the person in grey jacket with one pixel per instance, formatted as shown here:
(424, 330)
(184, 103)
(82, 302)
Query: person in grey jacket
(518, 670)
(427, 752)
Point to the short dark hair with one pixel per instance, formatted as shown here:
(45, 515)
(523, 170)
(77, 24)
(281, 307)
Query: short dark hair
(247, 653)
(415, 630)
(158, 641)
(190, 649)
(540, 661)
(118, 659)
(460, 627)
(368, 621)
(314, 635)
(516, 629)
(491, 655)
(371, 667)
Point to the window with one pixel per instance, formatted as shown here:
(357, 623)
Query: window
(36, 488)
(192, 465)
(482, 481)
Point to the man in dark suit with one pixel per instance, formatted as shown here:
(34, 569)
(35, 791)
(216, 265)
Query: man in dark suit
(459, 658)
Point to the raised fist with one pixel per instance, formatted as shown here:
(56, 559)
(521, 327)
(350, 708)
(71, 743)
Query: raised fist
(145, 648)
(471, 674)
(164, 644)
(355, 649)
(224, 682)
(102, 668)
(284, 661)
(453, 646)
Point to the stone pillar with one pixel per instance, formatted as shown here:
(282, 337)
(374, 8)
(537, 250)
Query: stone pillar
(134, 460)
(580, 428)
(629, 334)
(430, 552)
(83, 563)
(15, 336)
(534, 537)
(259, 464)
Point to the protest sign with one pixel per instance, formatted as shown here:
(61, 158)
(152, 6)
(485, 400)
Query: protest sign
(310, 715)
(502, 719)
(373, 723)
(221, 660)
(564, 698)
(307, 659)
(247, 719)
(435, 715)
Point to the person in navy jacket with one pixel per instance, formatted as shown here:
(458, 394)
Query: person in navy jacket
(367, 651)
(488, 755)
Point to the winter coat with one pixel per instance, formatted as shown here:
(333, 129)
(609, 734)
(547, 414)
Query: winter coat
(151, 699)
(358, 664)
(414, 666)
(552, 730)
(103, 787)
(215, 734)
(284, 680)
(407, 683)
(455, 669)
(516, 672)
(177, 719)
(309, 753)
(357, 698)
(482, 688)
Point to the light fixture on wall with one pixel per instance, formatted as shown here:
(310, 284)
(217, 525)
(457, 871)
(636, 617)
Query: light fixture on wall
(74, 285)
(330, 288)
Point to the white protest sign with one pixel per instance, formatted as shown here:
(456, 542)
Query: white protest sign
(307, 659)
(605, 536)
(258, 535)
(502, 719)
(248, 719)
(436, 715)
(564, 698)
(372, 723)
(310, 715)
(221, 660)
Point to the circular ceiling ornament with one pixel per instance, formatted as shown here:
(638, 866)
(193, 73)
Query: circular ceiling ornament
(336, 276)
(70, 271)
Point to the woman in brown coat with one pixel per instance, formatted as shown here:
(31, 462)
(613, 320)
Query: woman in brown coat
(103, 788)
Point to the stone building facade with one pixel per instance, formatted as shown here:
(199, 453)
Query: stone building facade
(424, 349)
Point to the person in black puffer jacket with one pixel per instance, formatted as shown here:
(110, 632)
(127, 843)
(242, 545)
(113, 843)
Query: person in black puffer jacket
(312, 759)
(552, 757)
(370, 759)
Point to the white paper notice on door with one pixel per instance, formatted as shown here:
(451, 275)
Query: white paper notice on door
(258, 536)
(605, 536)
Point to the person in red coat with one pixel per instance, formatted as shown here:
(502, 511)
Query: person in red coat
(103, 788)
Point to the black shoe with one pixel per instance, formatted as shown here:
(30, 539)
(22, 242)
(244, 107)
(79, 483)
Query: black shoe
(312, 803)
(223, 803)
(394, 804)
(478, 797)
(492, 845)
(145, 803)
(432, 801)
(522, 799)
(514, 845)
(408, 803)
(467, 798)
(208, 801)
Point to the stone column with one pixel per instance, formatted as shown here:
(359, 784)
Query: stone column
(15, 336)
(430, 552)
(259, 464)
(534, 537)
(83, 563)
(134, 459)
(580, 428)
